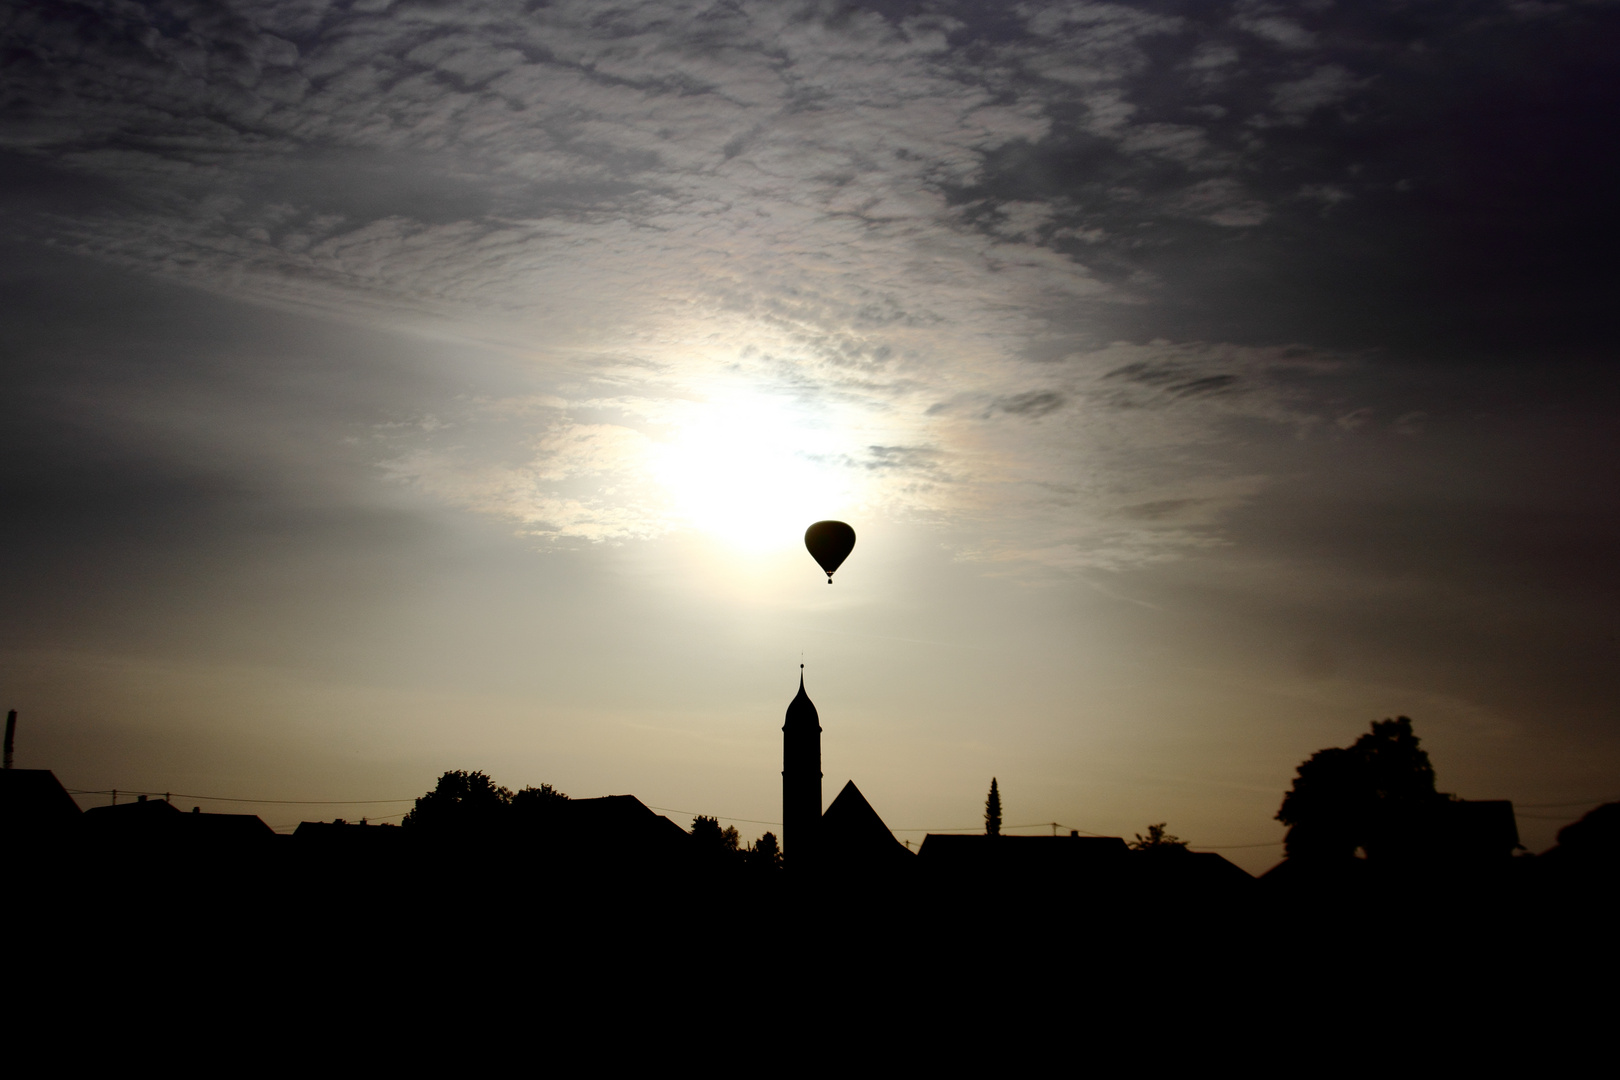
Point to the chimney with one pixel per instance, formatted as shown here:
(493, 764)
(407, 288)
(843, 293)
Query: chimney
(11, 735)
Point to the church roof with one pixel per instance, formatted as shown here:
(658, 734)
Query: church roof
(801, 710)
(852, 832)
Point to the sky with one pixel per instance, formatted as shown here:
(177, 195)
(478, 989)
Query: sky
(395, 387)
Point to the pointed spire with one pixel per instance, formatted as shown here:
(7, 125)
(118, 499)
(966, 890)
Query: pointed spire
(801, 707)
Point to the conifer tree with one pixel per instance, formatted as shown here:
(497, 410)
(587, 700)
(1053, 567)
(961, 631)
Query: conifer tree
(992, 811)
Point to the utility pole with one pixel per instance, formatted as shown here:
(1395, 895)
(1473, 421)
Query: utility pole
(11, 735)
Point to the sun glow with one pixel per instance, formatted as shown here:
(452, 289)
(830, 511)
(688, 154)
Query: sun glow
(753, 470)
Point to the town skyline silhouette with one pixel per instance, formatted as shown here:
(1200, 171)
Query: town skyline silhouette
(431, 431)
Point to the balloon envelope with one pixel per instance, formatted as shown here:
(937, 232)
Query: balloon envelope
(829, 543)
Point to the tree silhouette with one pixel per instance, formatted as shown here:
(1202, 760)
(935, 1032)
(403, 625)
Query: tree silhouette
(460, 802)
(1370, 795)
(715, 842)
(764, 854)
(1157, 839)
(992, 811)
(544, 795)
(536, 808)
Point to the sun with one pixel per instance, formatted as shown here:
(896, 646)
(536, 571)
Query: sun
(752, 469)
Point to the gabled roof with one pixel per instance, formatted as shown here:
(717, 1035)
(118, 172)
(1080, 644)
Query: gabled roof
(852, 832)
(33, 800)
(978, 853)
(154, 820)
(1094, 860)
(1174, 867)
(125, 815)
(622, 817)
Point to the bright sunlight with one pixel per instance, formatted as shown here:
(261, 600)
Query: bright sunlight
(753, 470)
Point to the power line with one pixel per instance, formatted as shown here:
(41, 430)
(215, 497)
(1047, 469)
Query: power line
(717, 817)
(226, 798)
(1036, 825)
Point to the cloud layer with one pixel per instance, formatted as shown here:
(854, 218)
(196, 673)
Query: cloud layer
(977, 263)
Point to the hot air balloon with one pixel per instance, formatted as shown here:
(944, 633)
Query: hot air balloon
(829, 543)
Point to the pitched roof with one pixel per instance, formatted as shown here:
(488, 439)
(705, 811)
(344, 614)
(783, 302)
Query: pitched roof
(620, 816)
(977, 853)
(155, 820)
(1174, 867)
(852, 832)
(33, 800)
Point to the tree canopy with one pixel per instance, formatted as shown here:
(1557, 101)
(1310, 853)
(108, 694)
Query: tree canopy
(1157, 839)
(992, 810)
(472, 802)
(460, 800)
(1362, 796)
(723, 846)
(764, 854)
(708, 836)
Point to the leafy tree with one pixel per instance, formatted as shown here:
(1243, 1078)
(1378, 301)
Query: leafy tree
(764, 854)
(1157, 840)
(544, 795)
(536, 807)
(1370, 795)
(992, 811)
(460, 801)
(715, 842)
(470, 802)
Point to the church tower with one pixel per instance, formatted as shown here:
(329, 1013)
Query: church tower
(801, 779)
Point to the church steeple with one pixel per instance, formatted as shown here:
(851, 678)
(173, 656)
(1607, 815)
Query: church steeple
(801, 779)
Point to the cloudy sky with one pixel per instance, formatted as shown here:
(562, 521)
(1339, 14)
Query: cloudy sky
(397, 387)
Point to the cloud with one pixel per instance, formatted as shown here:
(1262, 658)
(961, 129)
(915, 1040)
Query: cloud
(883, 227)
(1327, 85)
(1032, 403)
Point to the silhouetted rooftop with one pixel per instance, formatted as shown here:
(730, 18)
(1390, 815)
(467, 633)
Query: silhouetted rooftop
(976, 850)
(978, 858)
(852, 834)
(154, 820)
(33, 800)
